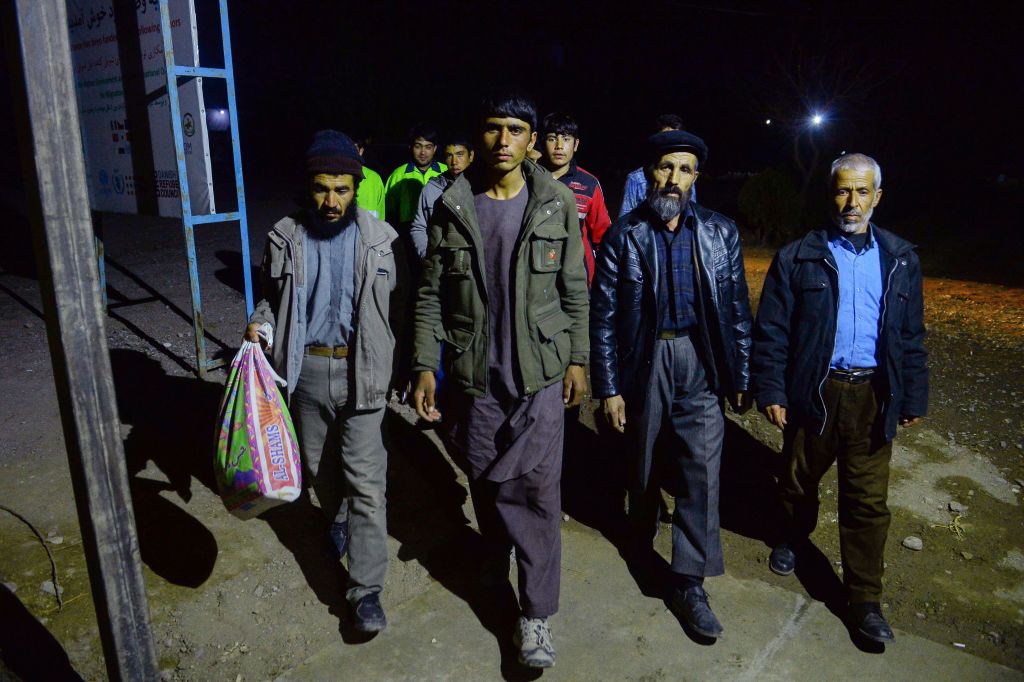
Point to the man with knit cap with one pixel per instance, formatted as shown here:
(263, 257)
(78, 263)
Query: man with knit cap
(332, 276)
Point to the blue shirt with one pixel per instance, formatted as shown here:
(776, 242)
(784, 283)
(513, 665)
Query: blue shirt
(330, 287)
(860, 302)
(676, 310)
(635, 191)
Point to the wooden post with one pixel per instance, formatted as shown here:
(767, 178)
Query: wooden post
(69, 282)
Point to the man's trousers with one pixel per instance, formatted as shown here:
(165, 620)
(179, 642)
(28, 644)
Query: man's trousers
(850, 438)
(345, 460)
(681, 431)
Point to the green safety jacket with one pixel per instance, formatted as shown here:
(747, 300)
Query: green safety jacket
(370, 195)
(402, 190)
(550, 301)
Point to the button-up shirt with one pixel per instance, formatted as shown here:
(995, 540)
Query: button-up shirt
(676, 310)
(860, 302)
(330, 287)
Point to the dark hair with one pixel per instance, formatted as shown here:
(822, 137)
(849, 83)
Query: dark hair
(460, 139)
(670, 121)
(508, 104)
(424, 130)
(559, 123)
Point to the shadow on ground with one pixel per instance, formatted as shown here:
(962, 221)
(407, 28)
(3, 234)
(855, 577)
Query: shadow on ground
(172, 422)
(27, 649)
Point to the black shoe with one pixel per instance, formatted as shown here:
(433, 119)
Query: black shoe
(692, 606)
(782, 560)
(867, 619)
(367, 614)
(339, 536)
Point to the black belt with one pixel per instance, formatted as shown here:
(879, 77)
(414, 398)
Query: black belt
(328, 351)
(668, 334)
(852, 376)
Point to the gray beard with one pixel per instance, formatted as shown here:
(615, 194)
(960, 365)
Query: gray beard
(853, 228)
(667, 206)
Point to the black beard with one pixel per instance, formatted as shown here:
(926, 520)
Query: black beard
(323, 229)
(664, 203)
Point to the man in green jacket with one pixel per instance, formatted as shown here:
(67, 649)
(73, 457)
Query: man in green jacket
(505, 288)
(402, 190)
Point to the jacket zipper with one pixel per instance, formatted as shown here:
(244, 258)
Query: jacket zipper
(828, 364)
(885, 309)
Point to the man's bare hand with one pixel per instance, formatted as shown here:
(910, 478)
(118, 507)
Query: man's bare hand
(574, 385)
(744, 400)
(250, 332)
(776, 415)
(615, 412)
(423, 397)
(908, 420)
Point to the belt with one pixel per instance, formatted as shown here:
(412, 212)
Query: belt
(328, 351)
(852, 376)
(669, 334)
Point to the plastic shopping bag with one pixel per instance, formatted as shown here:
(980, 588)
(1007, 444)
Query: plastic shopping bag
(257, 460)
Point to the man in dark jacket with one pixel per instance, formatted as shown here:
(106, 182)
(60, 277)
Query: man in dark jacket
(505, 288)
(670, 335)
(838, 362)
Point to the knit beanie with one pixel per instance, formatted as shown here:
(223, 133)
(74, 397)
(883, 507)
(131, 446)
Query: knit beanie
(333, 153)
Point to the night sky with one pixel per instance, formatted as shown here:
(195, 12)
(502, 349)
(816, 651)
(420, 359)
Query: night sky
(932, 90)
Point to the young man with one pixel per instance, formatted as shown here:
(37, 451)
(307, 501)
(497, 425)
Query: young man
(402, 190)
(670, 329)
(839, 361)
(370, 195)
(332, 277)
(505, 288)
(635, 191)
(560, 140)
(458, 155)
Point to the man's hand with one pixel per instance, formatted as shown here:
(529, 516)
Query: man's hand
(776, 415)
(908, 420)
(423, 397)
(744, 400)
(574, 385)
(252, 334)
(615, 412)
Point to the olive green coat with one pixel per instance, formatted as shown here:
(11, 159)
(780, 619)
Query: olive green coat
(550, 301)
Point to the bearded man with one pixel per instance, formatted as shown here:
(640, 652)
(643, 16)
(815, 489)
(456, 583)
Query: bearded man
(670, 337)
(839, 361)
(332, 276)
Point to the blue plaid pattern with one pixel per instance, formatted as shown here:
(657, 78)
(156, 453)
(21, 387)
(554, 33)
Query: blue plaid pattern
(676, 310)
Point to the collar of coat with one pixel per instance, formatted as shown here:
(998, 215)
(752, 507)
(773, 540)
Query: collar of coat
(814, 245)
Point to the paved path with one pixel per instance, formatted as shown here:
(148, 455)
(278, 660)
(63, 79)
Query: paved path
(607, 630)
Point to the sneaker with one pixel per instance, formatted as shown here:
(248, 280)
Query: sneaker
(692, 606)
(533, 639)
(339, 537)
(368, 615)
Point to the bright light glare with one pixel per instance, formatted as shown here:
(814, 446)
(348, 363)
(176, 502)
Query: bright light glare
(817, 119)
(767, 121)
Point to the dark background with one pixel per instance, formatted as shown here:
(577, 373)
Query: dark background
(931, 90)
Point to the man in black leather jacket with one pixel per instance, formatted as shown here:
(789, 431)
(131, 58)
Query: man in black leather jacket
(670, 336)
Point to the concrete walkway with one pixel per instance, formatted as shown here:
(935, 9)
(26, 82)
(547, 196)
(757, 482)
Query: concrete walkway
(607, 630)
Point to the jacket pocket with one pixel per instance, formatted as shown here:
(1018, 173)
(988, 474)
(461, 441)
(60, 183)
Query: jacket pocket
(554, 343)
(456, 259)
(547, 247)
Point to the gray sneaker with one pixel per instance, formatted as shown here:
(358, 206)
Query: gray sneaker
(533, 639)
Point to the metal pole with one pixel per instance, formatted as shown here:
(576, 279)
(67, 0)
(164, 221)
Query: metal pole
(69, 280)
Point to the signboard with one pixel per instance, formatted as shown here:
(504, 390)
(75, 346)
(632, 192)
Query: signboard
(117, 52)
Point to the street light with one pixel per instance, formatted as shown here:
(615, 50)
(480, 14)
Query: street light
(817, 119)
(767, 121)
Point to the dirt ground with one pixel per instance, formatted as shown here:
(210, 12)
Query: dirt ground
(253, 599)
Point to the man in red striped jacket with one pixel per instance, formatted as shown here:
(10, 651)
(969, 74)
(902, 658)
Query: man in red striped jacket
(559, 142)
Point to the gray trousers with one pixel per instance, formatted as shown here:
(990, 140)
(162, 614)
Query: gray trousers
(681, 430)
(345, 460)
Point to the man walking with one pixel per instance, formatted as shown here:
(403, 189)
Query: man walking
(670, 331)
(559, 142)
(458, 154)
(505, 288)
(330, 273)
(839, 360)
